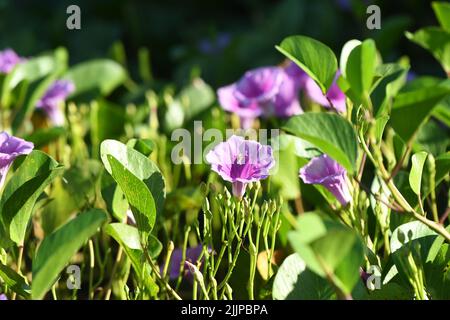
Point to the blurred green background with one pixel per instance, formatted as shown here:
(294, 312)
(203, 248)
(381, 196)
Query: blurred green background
(220, 39)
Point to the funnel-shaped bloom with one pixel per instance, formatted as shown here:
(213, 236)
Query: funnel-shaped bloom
(8, 60)
(327, 172)
(10, 148)
(55, 95)
(264, 91)
(241, 161)
(334, 94)
(3, 297)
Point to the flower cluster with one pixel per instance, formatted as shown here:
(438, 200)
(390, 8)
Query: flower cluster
(262, 92)
(274, 91)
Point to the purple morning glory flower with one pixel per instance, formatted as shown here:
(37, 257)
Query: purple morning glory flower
(296, 73)
(10, 148)
(241, 161)
(327, 172)
(192, 255)
(3, 297)
(8, 60)
(334, 94)
(264, 91)
(51, 100)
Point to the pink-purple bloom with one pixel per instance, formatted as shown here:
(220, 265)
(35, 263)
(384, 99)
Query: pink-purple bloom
(8, 60)
(241, 161)
(53, 97)
(192, 255)
(10, 148)
(3, 297)
(327, 172)
(264, 91)
(334, 94)
(297, 74)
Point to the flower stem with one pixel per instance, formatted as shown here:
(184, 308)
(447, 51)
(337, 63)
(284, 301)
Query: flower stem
(158, 275)
(19, 266)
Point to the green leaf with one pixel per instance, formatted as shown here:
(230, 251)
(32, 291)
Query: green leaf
(30, 70)
(139, 165)
(412, 237)
(294, 281)
(116, 203)
(442, 169)
(285, 173)
(360, 68)
(42, 137)
(138, 195)
(128, 238)
(14, 281)
(329, 132)
(56, 249)
(101, 129)
(95, 77)
(314, 57)
(20, 194)
(346, 50)
(415, 176)
(389, 79)
(442, 12)
(72, 192)
(329, 248)
(35, 91)
(144, 146)
(435, 40)
(195, 98)
(432, 138)
(414, 230)
(391, 291)
(437, 269)
(380, 124)
(411, 108)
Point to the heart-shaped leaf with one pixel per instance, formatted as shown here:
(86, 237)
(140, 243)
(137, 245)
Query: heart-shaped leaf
(360, 68)
(139, 165)
(314, 57)
(329, 132)
(138, 195)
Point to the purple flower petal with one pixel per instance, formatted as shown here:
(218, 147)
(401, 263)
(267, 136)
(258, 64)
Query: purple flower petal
(241, 161)
(325, 171)
(334, 94)
(264, 91)
(10, 148)
(55, 95)
(192, 255)
(297, 74)
(3, 297)
(8, 60)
